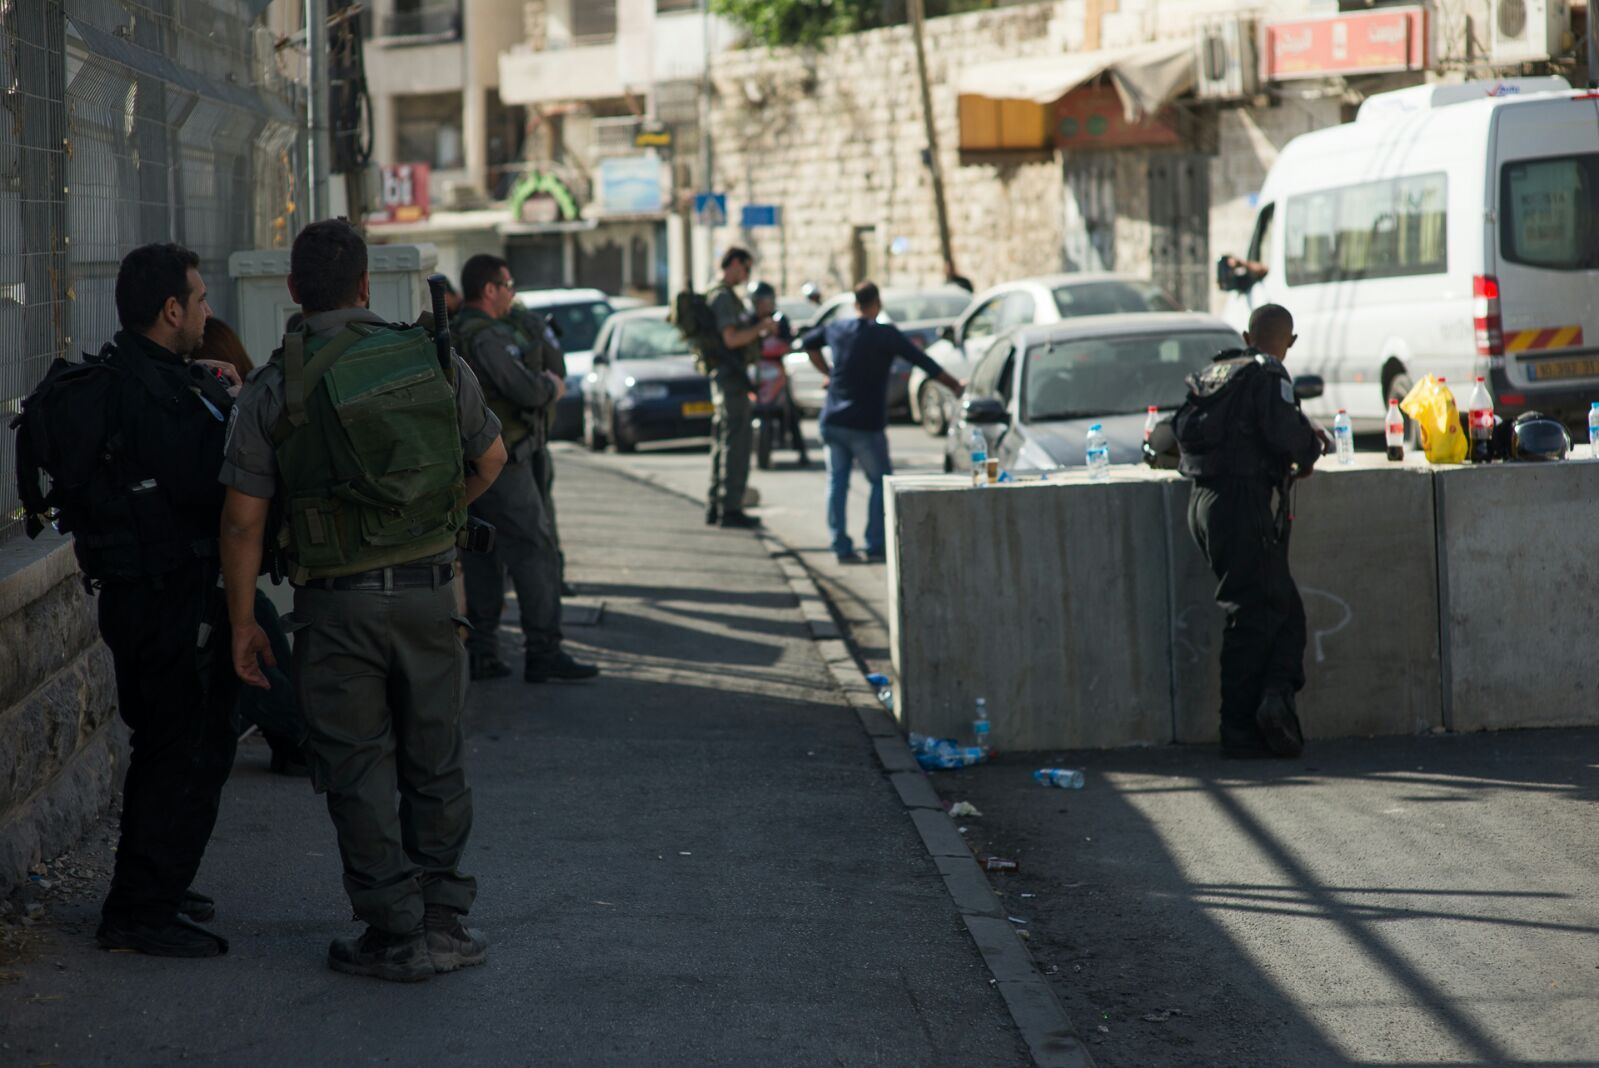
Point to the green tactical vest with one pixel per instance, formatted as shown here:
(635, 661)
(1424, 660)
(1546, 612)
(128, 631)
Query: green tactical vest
(368, 450)
(514, 424)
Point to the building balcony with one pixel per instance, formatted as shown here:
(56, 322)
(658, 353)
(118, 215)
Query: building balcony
(581, 72)
(668, 47)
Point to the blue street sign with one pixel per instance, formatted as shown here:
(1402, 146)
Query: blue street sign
(710, 209)
(762, 215)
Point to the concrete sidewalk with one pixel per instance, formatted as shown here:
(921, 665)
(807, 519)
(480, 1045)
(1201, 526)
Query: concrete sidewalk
(697, 859)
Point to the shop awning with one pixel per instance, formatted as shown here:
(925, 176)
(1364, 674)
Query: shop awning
(1146, 77)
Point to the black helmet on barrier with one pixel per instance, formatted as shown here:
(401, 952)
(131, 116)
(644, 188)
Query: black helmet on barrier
(1536, 437)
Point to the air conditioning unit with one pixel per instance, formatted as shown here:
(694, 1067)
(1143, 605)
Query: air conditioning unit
(1527, 31)
(1225, 53)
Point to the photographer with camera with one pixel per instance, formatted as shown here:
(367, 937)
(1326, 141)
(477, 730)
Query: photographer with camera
(374, 491)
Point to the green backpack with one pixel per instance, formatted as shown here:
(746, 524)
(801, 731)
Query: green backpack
(691, 314)
(368, 450)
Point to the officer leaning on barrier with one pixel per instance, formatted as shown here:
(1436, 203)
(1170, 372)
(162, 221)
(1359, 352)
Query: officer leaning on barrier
(497, 349)
(374, 439)
(1243, 437)
(132, 440)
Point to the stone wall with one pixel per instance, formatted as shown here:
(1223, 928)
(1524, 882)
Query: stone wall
(835, 136)
(62, 748)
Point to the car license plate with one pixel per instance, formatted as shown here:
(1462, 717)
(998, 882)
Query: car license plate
(1546, 370)
(691, 409)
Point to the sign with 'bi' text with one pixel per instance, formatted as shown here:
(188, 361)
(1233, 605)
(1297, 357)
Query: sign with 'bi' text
(403, 193)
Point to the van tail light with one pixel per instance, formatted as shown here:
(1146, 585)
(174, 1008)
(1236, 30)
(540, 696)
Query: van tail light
(1486, 324)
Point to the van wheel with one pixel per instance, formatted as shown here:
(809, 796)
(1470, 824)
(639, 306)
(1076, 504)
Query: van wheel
(930, 399)
(1399, 387)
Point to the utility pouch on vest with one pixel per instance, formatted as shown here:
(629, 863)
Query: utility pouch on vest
(369, 450)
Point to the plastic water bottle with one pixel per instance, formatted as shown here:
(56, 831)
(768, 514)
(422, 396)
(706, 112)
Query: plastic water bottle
(981, 733)
(979, 458)
(1593, 430)
(885, 689)
(1344, 438)
(1150, 420)
(1097, 453)
(1065, 778)
(1393, 429)
(1481, 422)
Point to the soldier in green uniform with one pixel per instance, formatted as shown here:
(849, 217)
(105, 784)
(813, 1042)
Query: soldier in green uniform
(731, 430)
(373, 446)
(498, 351)
(552, 358)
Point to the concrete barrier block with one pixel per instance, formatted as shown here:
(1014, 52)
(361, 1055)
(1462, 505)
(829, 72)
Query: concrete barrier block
(1048, 599)
(1363, 555)
(1517, 572)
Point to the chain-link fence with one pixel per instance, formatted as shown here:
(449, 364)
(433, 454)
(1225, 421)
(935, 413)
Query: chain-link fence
(124, 122)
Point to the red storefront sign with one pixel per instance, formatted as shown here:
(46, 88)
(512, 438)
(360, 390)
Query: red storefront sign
(404, 195)
(1092, 117)
(1366, 42)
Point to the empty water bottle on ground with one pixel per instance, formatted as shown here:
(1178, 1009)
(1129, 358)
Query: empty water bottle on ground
(979, 458)
(1593, 430)
(1097, 453)
(1065, 778)
(980, 726)
(1481, 421)
(1393, 429)
(1344, 438)
(884, 688)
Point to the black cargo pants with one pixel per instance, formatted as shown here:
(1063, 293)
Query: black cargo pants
(176, 689)
(1263, 643)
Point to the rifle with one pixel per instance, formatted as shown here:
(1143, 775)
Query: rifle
(437, 285)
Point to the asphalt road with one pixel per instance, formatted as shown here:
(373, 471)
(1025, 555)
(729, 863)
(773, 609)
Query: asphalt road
(695, 860)
(1395, 901)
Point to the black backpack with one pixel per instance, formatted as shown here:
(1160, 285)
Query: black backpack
(65, 432)
(691, 314)
(1209, 414)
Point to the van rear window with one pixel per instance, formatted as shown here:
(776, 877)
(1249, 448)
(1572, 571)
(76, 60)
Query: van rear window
(1388, 229)
(1548, 210)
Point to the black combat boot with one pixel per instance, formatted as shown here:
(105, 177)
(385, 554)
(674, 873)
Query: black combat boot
(399, 958)
(487, 666)
(1280, 725)
(177, 937)
(452, 944)
(197, 906)
(558, 665)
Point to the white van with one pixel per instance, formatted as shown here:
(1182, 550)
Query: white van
(1451, 230)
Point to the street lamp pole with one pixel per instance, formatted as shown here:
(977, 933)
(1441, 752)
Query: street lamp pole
(918, 17)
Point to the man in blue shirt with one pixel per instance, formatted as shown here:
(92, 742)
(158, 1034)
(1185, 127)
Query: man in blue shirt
(855, 415)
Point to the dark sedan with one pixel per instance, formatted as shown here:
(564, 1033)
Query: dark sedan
(1038, 389)
(643, 386)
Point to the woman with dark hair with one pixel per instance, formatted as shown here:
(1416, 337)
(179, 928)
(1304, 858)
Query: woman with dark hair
(276, 711)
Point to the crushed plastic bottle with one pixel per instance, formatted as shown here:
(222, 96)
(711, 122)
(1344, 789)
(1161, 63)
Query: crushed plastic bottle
(1097, 453)
(1065, 778)
(1344, 438)
(885, 689)
(981, 733)
(1593, 430)
(943, 754)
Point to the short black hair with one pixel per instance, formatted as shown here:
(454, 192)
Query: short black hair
(150, 275)
(736, 255)
(1272, 322)
(326, 264)
(478, 272)
(867, 294)
(763, 291)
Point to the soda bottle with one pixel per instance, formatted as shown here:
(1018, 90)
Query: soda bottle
(1593, 430)
(1097, 453)
(980, 725)
(1344, 438)
(979, 458)
(1481, 422)
(1393, 428)
(1150, 420)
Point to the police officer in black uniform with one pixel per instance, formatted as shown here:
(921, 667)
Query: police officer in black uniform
(1245, 440)
(161, 612)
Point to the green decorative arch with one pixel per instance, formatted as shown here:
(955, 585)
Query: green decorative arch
(534, 183)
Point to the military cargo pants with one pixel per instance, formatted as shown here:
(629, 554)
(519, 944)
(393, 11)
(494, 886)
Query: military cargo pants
(1263, 642)
(544, 479)
(382, 677)
(524, 548)
(731, 436)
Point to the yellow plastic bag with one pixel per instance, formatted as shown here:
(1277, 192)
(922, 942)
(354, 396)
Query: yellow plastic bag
(1432, 406)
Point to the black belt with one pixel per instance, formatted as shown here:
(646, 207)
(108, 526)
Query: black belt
(404, 577)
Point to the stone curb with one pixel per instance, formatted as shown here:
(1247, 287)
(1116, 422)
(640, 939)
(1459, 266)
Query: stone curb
(1036, 1011)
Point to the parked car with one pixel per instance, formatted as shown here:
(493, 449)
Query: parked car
(643, 386)
(799, 311)
(920, 313)
(1039, 388)
(1027, 301)
(1450, 230)
(578, 315)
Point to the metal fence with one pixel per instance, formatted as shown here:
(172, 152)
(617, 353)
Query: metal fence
(124, 122)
